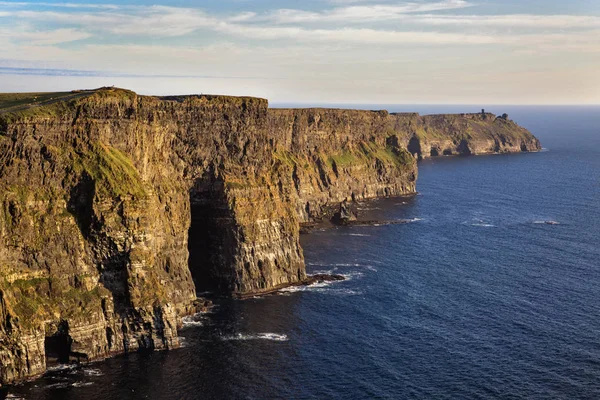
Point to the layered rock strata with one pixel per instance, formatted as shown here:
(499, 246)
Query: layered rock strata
(116, 208)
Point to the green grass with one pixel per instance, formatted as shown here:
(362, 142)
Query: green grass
(236, 185)
(112, 171)
(343, 159)
(31, 303)
(366, 153)
(400, 157)
(287, 158)
(46, 105)
(9, 100)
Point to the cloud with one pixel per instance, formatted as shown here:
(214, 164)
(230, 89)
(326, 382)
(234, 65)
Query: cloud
(360, 13)
(439, 5)
(420, 25)
(42, 38)
(358, 36)
(172, 21)
(58, 5)
(513, 21)
(54, 37)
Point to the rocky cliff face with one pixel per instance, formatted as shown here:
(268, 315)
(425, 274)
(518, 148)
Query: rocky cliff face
(341, 155)
(116, 207)
(462, 134)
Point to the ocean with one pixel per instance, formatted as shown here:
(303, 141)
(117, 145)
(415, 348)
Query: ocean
(492, 291)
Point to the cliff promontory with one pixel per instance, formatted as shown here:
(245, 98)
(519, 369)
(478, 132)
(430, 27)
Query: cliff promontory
(116, 208)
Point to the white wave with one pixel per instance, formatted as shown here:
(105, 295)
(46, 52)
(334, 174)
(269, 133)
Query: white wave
(82, 384)
(359, 234)
(326, 264)
(352, 275)
(347, 275)
(92, 372)
(60, 385)
(370, 261)
(323, 272)
(11, 396)
(548, 222)
(187, 323)
(62, 367)
(345, 265)
(323, 287)
(336, 266)
(277, 337)
(479, 222)
(193, 320)
(345, 292)
(304, 288)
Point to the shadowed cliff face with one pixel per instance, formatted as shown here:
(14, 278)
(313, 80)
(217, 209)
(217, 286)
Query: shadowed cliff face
(116, 208)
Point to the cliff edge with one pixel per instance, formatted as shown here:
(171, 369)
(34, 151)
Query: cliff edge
(117, 208)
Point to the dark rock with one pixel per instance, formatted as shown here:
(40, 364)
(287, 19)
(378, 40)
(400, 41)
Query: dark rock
(345, 215)
(307, 227)
(319, 278)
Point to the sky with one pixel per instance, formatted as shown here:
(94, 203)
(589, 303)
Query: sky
(310, 51)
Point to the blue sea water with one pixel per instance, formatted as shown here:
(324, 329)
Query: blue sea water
(477, 298)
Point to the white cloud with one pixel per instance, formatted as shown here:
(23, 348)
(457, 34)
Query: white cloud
(357, 36)
(172, 22)
(300, 25)
(514, 20)
(42, 38)
(57, 36)
(14, 4)
(360, 13)
(415, 6)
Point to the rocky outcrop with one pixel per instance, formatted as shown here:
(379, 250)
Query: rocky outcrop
(462, 134)
(116, 208)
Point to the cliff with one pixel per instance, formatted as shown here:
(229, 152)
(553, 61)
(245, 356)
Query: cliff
(463, 134)
(341, 155)
(116, 207)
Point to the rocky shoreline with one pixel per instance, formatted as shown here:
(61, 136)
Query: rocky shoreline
(310, 280)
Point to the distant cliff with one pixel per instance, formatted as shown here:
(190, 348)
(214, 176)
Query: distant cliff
(117, 207)
(463, 134)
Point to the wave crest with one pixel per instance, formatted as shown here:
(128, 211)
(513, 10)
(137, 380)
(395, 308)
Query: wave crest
(277, 337)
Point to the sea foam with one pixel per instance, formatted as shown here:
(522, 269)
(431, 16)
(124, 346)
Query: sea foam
(277, 337)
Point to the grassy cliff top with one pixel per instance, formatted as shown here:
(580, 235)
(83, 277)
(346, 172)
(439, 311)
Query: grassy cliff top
(19, 102)
(30, 103)
(211, 97)
(12, 102)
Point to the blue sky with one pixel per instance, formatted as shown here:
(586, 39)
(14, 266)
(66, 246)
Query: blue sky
(336, 51)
